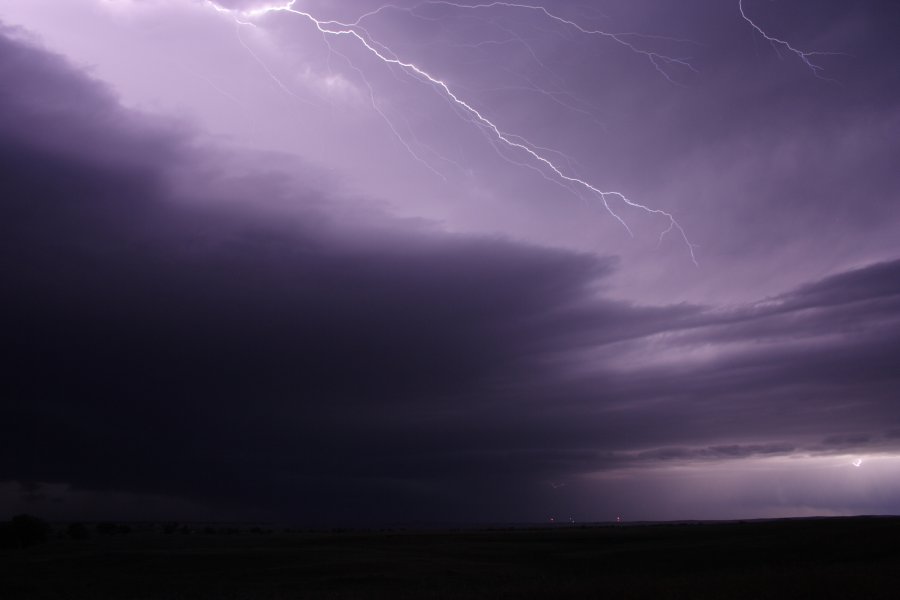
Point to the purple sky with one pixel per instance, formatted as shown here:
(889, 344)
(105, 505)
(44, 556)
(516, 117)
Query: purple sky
(252, 269)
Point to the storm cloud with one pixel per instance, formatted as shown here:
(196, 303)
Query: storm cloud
(183, 328)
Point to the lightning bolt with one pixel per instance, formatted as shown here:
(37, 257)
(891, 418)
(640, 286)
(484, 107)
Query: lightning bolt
(804, 55)
(546, 166)
(659, 61)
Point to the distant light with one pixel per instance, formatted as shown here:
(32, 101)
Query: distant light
(857, 462)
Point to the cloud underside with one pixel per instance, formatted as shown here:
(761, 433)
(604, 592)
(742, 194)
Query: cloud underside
(176, 330)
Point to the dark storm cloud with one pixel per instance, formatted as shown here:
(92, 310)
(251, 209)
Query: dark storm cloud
(713, 452)
(812, 372)
(197, 351)
(326, 369)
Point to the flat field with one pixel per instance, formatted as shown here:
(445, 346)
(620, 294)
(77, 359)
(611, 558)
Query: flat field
(819, 558)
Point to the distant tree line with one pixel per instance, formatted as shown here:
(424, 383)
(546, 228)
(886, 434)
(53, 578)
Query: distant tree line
(23, 531)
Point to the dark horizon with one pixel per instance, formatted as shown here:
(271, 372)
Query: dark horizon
(287, 527)
(256, 272)
(830, 558)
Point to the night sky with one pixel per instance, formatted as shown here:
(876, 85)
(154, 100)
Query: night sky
(449, 263)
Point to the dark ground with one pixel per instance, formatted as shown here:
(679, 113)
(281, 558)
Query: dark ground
(823, 558)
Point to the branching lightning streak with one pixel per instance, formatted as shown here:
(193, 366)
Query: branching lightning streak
(509, 141)
(239, 23)
(552, 96)
(230, 97)
(384, 117)
(655, 58)
(266, 68)
(803, 55)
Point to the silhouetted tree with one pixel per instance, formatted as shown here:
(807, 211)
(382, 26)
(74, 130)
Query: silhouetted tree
(24, 531)
(112, 529)
(77, 531)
